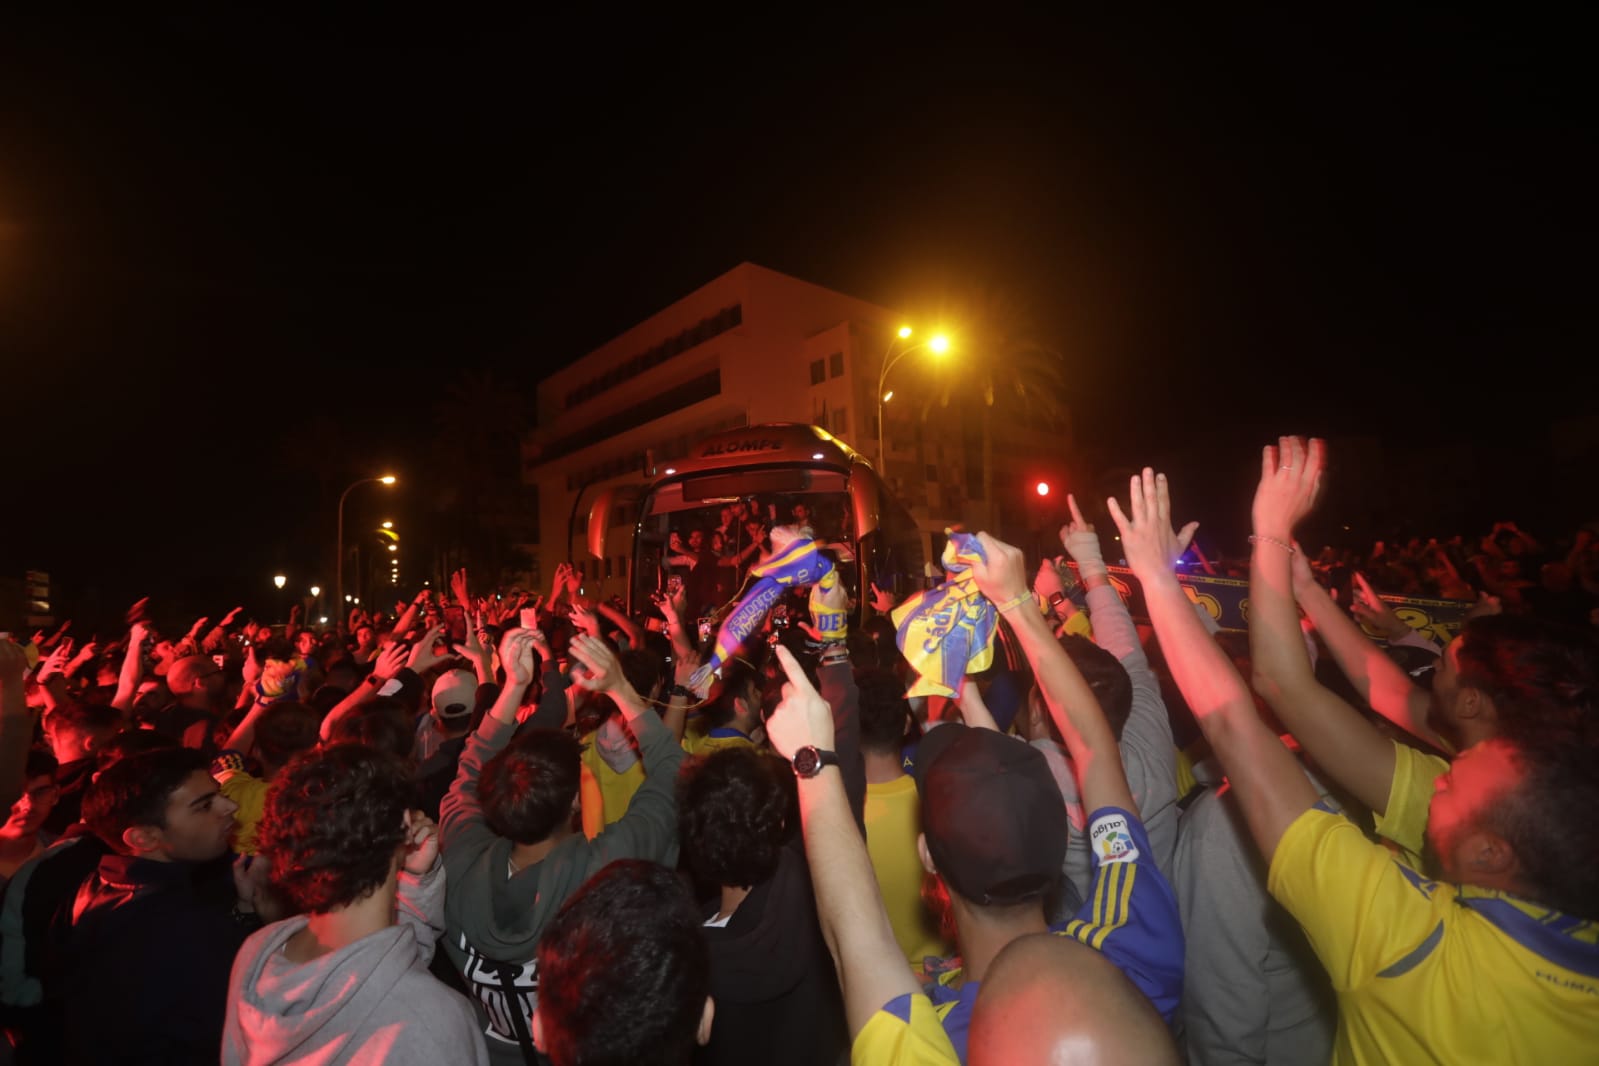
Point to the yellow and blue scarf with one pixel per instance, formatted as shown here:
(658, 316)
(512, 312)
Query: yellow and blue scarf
(794, 564)
(948, 632)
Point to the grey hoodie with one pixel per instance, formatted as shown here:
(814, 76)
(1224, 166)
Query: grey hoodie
(494, 919)
(371, 1002)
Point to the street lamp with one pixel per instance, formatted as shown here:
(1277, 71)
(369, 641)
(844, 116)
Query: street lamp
(338, 579)
(279, 580)
(938, 344)
(316, 590)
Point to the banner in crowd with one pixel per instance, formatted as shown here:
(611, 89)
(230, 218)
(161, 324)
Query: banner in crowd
(1226, 600)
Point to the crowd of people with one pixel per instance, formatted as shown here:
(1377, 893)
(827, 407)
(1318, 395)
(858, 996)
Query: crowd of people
(995, 823)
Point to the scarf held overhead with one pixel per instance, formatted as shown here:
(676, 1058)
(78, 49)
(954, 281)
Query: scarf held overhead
(794, 562)
(947, 632)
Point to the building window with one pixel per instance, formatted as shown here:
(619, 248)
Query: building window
(840, 422)
(835, 365)
(818, 372)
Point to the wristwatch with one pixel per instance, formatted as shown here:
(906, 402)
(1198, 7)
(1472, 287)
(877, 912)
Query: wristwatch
(684, 691)
(809, 760)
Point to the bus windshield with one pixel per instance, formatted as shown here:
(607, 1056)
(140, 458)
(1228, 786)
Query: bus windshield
(704, 533)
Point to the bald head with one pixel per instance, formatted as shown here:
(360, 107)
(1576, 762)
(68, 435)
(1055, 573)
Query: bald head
(1049, 999)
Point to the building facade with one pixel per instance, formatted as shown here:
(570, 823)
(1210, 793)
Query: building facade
(749, 347)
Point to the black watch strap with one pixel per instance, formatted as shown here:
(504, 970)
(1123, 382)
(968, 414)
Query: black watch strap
(808, 761)
(684, 691)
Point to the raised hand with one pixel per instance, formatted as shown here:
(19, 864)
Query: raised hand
(1373, 612)
(586, 620)
(604, 670)
(54, 663)
(390, 661)
(516, 656)
(1290, 479)
(882, 602)
(803, 718)
(423, 655)
(1080, 540)
(228, 619)
(421, 843)
(252, 666)
(1003, 577)
(1151, 545)
(458, 588)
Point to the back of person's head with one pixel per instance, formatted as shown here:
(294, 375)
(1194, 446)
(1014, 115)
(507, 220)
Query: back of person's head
(1051, 999)
(284, 730)
(885, 712)
(739, 691)
(325, 698)
(733, 806)
(993, 818)
(1106, 676)
(139, 806)
(624, 973)
(382, 724)
(527, 790)
(130, 742)
(334, 825)
(643, 668)
(1539, 674)
(1546, 818)
(76, 730)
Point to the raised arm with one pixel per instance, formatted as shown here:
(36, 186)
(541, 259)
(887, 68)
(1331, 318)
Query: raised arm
(1333, 733)
(849, 905)
(1072, 704)
(132, 670)
(1272, 789)
(1379, 680)
(460, 812)
(384, 670)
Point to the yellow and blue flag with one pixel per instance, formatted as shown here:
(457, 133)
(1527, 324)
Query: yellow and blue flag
(947, 632)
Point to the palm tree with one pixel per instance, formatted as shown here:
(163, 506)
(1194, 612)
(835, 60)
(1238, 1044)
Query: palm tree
(1004, 375)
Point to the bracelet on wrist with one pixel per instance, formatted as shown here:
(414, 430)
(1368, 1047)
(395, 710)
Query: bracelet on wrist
(1013, 603)
(1256, 538)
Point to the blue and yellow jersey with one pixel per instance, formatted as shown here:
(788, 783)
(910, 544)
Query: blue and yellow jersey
(1130, 916)
(1404, 822)
(1427, 971)
(721, 737)
(905, 1032)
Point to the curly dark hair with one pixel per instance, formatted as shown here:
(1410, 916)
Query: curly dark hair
(1539, 674)
(527, 789)
(624, 971)
(333, 823)
(732, 809)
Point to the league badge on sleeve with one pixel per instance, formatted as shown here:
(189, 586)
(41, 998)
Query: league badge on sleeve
(1112, 839)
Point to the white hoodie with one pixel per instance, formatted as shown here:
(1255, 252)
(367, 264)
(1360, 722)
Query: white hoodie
(370, 1002)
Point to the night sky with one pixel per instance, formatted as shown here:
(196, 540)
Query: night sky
(219, 236)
